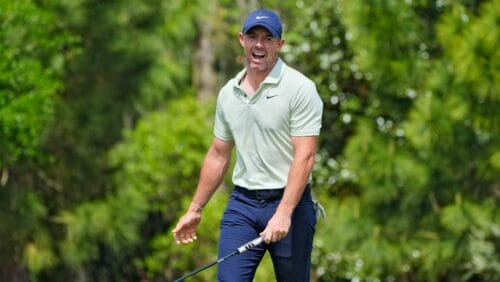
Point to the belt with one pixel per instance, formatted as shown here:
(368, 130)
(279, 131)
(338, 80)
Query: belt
(260, 194)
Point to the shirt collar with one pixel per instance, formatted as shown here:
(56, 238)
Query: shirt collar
(275, 75)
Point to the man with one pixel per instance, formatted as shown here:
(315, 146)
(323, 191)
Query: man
(271, 114)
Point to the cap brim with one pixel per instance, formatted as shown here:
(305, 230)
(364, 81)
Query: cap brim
(264, 25)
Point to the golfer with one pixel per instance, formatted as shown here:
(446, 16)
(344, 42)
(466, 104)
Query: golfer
(271, 114)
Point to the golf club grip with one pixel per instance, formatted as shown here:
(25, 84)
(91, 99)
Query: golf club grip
(249, 245)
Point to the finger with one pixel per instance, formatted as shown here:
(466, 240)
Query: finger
(184, 238)
(279, 237)
(177, 233)
(177, 238)
(187, 237)
(265, 236)
(274, 237)
(193, 236)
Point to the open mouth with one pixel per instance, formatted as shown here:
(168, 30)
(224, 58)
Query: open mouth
(258, 55)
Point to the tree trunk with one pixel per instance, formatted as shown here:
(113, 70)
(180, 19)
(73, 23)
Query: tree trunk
(204, 77)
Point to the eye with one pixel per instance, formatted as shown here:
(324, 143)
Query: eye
(269, 39)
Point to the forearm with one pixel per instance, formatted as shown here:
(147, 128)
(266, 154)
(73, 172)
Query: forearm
(300, 169)
(297, 180)
(212, 173)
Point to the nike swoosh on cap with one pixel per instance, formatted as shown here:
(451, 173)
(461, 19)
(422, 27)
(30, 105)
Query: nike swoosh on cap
(261, 17)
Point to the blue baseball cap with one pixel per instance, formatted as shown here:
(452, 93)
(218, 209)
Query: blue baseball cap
(265, 18)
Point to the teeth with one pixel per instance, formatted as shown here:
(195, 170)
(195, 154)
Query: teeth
(259, 53)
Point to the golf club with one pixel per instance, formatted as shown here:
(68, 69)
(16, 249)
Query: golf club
(243, 248)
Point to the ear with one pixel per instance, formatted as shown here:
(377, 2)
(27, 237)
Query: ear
(281, 43)
(241, 37)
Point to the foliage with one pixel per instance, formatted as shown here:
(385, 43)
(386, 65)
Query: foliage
(161, 159)
(112, 229)
(413, 165)
(30, 60)
(33, 51)
(130, 63)
(101, 138)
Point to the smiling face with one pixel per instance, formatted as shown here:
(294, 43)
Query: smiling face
(261, 49)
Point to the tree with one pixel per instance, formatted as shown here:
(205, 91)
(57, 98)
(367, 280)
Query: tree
(134, 59)
(106, 113)
(419, 162)
(33, 52)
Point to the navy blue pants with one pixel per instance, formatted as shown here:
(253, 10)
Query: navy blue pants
(246, 215)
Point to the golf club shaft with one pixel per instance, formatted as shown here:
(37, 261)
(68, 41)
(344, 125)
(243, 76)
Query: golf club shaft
(196, 271)
(243, 248)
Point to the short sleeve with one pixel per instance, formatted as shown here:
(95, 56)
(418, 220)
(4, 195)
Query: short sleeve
(221, 127)
(306, 111)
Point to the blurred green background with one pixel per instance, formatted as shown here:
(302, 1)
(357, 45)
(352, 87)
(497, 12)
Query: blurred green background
(106, 112)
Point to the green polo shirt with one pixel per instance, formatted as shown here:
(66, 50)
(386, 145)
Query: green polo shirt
(286, 104)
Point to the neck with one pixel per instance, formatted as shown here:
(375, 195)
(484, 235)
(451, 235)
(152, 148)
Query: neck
(255, 76)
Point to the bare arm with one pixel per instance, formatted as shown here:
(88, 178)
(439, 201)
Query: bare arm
(212, 173)
(303, 161)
